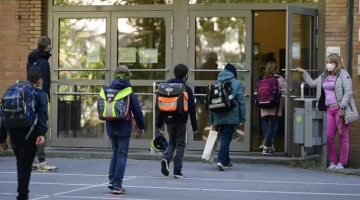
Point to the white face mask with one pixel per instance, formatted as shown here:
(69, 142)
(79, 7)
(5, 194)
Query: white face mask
(330, 67)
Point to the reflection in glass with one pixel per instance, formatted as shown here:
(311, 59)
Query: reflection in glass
(108, 2)
(82, 44)
(142, 45)
(202, 118)
(77, 114)
(219, 40)
(250, 1)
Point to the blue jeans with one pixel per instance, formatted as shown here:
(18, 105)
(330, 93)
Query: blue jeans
(226, 134)
(120, 147)
(275, 129)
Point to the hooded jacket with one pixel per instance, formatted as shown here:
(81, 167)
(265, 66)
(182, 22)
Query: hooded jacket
(41, 58)
(181, 118)
(120, 127)
(237, 115)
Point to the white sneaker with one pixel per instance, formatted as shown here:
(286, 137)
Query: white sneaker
(339, 166)
(332, 166)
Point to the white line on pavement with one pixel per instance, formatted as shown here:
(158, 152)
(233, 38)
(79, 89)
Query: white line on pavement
(45, 183)
(83, 197)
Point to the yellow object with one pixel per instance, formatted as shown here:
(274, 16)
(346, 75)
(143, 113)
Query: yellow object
(109, 109)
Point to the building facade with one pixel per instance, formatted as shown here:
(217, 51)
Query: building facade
(91, 37)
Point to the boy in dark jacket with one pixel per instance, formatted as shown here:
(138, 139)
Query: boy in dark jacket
(176, 126)
(119, 132)
(25, 149)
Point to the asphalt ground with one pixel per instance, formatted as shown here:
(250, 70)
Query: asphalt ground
(81, 179)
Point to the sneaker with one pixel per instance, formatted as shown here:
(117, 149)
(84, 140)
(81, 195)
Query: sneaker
(332, 166)
(35, 166)
(339, 166)
(220, 167)
(229, 166)
(45, 167)
(118, 190)
(165, 167)
(262, 144)
(111, 185)
(267, 151)
(178, 174)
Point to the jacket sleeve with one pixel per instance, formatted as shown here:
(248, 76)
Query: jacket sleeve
(136, 110)
(160, 120)
(42, 124)
(45, 67)
(192, 109)
(312, 83)
(347, 88)
(241, 102)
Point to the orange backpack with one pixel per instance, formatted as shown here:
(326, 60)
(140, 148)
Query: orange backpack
(172, 98)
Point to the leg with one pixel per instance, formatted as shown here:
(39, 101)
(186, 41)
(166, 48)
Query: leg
(115, 147)
(169, 152)
(180, 150)
(344, 144)
(41, 153)
(276, 129)
(263, 131)
(226, 133)
(271, 120)
(122, 154)
(330, 135)
(43, 166)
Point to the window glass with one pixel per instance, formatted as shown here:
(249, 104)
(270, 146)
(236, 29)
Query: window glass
(249, 1)
(108, 2)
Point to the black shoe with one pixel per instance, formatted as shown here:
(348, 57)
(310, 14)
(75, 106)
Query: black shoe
(165, 167)
(118, 190)
(228, 166)
(178, 174)
(111, 185)
(267, 151)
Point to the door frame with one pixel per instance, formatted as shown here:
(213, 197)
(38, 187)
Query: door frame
(240, 146)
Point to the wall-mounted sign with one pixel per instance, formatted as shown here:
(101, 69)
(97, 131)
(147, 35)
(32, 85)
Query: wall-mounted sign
(330, 50)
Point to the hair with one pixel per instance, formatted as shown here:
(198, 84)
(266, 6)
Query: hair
(270, 57)
(34, 74)
(43, 42)
(180, 71)
(122, 72)
(335, 58)
(270, 69)
(211, 57)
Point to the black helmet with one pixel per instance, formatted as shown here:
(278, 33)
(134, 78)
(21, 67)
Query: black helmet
(159, 143)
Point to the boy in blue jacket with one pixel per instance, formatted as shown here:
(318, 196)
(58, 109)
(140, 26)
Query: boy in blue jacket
(227, 121)
(176, 127)
(25, 148)
(119, 132)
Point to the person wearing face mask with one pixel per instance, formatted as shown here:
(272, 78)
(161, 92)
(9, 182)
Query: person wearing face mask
(334, 95)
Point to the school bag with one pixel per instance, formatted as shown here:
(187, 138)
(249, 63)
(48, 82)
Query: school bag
(19, 106)
(172, 98)
(220, 97)
(114, 104)
(267, 94)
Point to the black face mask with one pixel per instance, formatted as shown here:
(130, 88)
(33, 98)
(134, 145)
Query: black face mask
(186, 77)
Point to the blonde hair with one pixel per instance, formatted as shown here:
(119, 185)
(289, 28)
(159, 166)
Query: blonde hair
(335, 58)
(271, 69)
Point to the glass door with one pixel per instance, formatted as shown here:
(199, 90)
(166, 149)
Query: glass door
(143, 41)
(215, 39)
(301, 52)
(80, 67)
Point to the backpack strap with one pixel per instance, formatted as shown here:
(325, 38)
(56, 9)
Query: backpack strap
(36, 114)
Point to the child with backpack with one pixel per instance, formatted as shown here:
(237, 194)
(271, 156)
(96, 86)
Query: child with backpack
(268, 97)
(24, 116)
(117, 104)
(176, 102)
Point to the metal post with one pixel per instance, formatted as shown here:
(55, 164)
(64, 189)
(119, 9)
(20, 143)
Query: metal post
(154, 117)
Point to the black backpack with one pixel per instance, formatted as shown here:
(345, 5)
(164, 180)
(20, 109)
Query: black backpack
(220, 97)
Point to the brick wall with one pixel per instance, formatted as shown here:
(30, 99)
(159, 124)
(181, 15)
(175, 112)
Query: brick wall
(21, 22)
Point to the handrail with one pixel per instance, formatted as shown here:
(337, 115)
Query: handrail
(216, 70)
(95, 93)
(203, 95)
(80, 69)
(308, 70)
(302, 89)
(154, 116)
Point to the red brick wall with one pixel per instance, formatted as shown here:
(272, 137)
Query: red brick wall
(21, 22)
(335, 35)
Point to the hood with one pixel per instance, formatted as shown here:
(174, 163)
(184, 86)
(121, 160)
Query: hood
(37, 54)
(225, 74)
(120, 84)
(175, 80)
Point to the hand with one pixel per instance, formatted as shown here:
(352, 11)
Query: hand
(4, 146)
(213, 127)
(140, 132)
(195, 132)
(40, 140)
(300, 69)
(342, 114)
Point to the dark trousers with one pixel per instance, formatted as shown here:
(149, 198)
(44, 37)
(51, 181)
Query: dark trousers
(41, 153)
(226, 134)
(177, 137)
(270, 122)
(120, 147)
(25, 152)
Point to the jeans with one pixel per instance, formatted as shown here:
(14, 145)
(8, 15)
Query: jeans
(120, 147)
(41, 153)
(177, 137)
(25, 153)
(270, 122)
(332, 126)
(226, 134)
(275, 129)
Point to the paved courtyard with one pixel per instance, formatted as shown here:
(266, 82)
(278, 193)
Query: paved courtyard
(80, 179)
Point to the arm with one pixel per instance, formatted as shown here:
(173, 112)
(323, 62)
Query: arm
(160, 120)
(241, 102)
(192, 109)
(347, 87)
(312, 83)
(42, 125)
(3, 134)
(136, 110)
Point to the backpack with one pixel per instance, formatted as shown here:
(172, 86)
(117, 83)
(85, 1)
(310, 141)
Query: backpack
(114, 104)
(172, 98)
(19, 106)
(220, 97)
(267, 93)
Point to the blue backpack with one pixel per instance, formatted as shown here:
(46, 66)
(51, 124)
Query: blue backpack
(18, 107)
